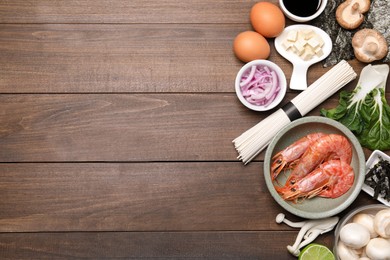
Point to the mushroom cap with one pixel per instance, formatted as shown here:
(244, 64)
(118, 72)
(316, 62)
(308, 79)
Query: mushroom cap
(378, 248)
(367, 221)
(382, 223)
(369, 45)
(354, 235)
(346, 253)
(349, 14)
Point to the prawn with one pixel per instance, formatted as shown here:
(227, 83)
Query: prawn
(328, 147)
(287, 158)
(330, 180)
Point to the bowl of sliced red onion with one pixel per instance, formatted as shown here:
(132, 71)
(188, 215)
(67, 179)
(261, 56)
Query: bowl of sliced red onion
(260, 85)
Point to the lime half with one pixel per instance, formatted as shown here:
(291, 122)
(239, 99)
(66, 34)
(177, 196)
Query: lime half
(316, 252)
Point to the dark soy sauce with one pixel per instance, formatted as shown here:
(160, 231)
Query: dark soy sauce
(302, 8)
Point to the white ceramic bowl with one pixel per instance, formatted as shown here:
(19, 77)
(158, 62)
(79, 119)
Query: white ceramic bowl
(298, 79)
(281, 78)
(301, 19)
(374, 159)
(367, 209)
(316, 207)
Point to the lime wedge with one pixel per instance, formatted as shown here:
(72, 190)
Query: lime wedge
(316, 252)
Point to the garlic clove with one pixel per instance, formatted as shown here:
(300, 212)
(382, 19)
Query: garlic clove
(354, 235)
(382, 223)
(378, 248)
(367, 221)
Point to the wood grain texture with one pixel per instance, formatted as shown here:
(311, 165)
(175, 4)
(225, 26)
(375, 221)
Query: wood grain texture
(119, 11)
(150, 245)
(153, 127)
(41, 197)
(58, 58)
(133, 197)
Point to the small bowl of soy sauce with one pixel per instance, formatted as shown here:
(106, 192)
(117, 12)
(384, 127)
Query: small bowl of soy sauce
(302, 10)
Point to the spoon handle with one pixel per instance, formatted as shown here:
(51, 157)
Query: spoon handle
(298, 77)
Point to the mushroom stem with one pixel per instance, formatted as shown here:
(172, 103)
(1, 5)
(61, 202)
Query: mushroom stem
(371, 47)
(309, 230)
(282, 218)
(355, 7)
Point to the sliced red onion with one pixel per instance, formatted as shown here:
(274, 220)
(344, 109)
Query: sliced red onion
(260, 85)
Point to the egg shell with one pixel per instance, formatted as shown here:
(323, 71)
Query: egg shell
(250, 45)
(354, 235)
(267, 19)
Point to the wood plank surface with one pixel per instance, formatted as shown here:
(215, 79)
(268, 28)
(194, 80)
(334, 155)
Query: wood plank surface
(149, 245)
(119, 11)
(59, 58)
(116, 128)
(41, 197)
(132, 197)
(152, 127)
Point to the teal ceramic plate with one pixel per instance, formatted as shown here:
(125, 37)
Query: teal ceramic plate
(316, 207)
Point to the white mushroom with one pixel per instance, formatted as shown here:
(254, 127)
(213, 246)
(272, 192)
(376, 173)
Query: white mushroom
(378, 248)
(346, 253)
(382, 223)
(354, 235)
(367, 221)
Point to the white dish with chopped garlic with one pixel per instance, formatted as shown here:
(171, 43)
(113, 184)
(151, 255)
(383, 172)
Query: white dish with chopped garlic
(302, 45)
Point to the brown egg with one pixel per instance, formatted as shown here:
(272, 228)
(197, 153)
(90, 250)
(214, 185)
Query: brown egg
(250, 46)
(267, 19)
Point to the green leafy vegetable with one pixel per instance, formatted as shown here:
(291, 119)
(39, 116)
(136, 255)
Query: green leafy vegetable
(365, 110)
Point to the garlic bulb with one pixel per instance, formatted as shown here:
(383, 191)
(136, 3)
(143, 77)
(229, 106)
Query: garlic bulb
(382, 223)
(367, 221)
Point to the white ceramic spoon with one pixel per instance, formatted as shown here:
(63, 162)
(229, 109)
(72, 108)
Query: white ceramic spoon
(299, 74)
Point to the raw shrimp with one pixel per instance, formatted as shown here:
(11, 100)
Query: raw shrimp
(328, 147)
(286, 158)
(331, 180)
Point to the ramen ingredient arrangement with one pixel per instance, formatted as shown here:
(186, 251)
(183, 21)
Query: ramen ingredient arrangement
(319, 164)
(254, 140)
(365, 110)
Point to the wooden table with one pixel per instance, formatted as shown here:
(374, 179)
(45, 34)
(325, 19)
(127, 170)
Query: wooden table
(116, 128)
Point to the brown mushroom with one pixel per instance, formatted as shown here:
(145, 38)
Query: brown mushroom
(369, 45)
(349, 14)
